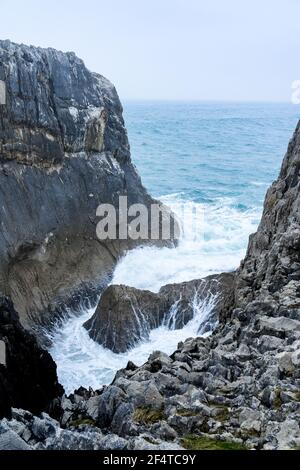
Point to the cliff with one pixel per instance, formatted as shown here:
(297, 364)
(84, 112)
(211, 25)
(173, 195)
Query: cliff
(27, 373)
(238, 388)
(271, 269)
(63, 151)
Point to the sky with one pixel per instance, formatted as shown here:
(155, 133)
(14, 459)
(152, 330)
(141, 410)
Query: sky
(233, 50)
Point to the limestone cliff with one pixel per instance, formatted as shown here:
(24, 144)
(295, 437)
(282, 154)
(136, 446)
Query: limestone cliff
(63, 151)
(271, 269)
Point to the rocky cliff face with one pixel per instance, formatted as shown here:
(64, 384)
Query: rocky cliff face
(27, 373)
(239, 388)
(63, 151)
(271, 269)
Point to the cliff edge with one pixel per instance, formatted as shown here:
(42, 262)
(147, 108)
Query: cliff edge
(63, 151)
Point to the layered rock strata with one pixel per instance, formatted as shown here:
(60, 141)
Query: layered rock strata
(63, 151)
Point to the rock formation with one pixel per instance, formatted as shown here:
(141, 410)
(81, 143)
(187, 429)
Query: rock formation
(126, 315)
(63, 151)
(27, 373)
(271, 269)
(236, 389)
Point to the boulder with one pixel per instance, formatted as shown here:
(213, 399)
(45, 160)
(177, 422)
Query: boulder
(126, 315)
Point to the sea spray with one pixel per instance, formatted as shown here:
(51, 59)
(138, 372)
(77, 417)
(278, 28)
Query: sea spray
(83, 362)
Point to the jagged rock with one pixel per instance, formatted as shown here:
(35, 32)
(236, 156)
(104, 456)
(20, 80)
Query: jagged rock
(123, 317)
(272, 259)
(126, 315)
(28, 378)
(147, 442)
(109, 401)
(285, 363)
(164, 431)
(9, 440)
(250, 420)
(288, 436)
(63, 151)
(280, 326)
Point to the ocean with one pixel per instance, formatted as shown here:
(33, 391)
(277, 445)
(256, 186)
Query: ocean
(219, 159)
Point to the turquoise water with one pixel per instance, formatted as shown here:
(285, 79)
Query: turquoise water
(209, 150)
(216, 158)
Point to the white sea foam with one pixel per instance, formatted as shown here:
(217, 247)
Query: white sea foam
(82, 362)
(220, 247)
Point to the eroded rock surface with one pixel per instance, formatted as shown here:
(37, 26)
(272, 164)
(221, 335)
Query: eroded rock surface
(63, 151)
(27, 372)
(271, 269)
(126, 315)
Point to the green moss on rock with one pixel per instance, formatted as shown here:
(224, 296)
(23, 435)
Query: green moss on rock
(146, 415)
(194, 442)
(187, 413)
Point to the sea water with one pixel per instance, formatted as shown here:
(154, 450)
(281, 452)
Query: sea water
(218, 158)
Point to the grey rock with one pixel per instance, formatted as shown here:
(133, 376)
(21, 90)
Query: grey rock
(279, 325)
(145, 394)
(122, 420)
(64, 150)
(43, 428)
(164, 431)
(126, 315)
(109, 401)
(150, 443)
(10, 440)
(92, 407)
(289, 435)
(113, 442)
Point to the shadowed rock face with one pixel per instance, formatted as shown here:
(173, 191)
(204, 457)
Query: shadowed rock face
(63, 151)
(126, 315)
(27, 373)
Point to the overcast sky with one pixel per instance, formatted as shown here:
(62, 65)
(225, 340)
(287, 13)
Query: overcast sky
(171, 49)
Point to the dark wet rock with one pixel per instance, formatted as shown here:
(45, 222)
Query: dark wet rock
(126, 315)
(63, 151)
(28, 373)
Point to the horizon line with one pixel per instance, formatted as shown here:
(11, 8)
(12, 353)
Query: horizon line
(204, 100)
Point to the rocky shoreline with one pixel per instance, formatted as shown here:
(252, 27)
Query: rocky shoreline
(239, 388)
